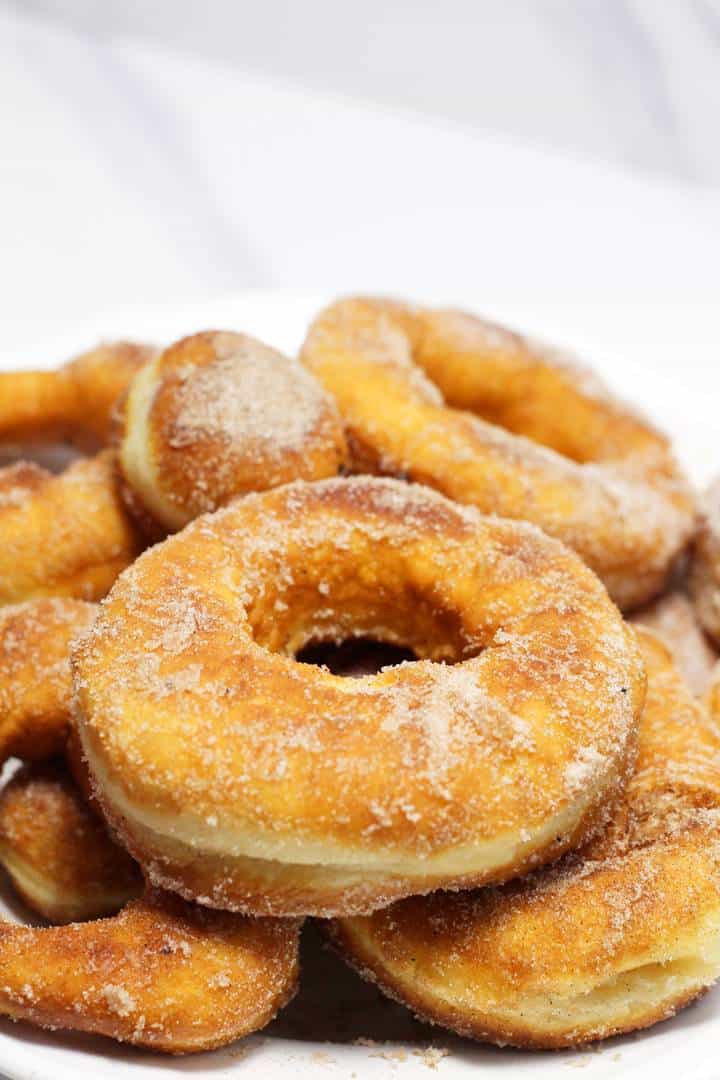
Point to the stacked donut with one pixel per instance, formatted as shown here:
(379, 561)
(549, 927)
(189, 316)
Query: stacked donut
(508, 818)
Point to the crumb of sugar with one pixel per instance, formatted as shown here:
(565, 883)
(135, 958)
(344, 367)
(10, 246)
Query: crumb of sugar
(118, 999)
(431, 1056)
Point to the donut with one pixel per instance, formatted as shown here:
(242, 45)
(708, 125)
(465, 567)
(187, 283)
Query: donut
(712, 694)
(35, 680)
(73, 404)
(163, 974)
(238, 776)
(495, 420)
(615, 937)
(705, 565)
(57, 852)
(66, 535)
(672, 616)
(220, 414)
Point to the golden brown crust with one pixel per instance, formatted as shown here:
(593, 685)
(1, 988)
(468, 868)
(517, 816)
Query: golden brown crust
(72, 404)
(162, 974)
(597, 476)
(673, 617)
(342, 795)
(66, 535)
(615, 937)
(705, 565)
(57, 852)
(217, 415)
(35, 681)
(712, 695)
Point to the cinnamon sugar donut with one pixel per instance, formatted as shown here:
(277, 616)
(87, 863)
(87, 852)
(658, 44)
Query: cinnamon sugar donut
(221, 414)
(615, 937)
(66, 535)
(35, 681)
(673, 618)
(72, 404)
(57, 852)
(705, 566)
(712, 694)
(509, 426)
(163, 974)
(243, 778)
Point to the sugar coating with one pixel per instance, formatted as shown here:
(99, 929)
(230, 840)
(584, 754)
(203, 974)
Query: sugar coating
(673, 617)
(57, 850)
(161, 974)
(219, 414)
(251, 394)
(624, 504)
(705, 567)
(520, 963)
(188, 678)
(62, 535)
(35, 681)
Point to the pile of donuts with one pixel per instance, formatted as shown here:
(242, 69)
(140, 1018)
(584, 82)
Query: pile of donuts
(501, 805)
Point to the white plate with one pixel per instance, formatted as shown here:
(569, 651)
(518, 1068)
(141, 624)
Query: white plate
(668, 361)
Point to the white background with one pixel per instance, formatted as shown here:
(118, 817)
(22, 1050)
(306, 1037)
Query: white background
(395, 145)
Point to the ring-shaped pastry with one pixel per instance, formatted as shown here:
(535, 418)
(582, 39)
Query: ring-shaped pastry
(220, 414)
(509, 426)
(73, 404)
(57, 852)
(53, 846)
(163, 974)
(705, 565)
(615, 937)
(674, 618)
(247, 780)
(64, 535)
(712, 695)
(35, 680)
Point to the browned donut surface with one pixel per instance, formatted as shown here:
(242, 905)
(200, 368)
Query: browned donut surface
(673, 617)
(163, 974)
(248, 780)
(705, 567)
(66, 535)
(220, 414)
(57, 852)
(616, 936)
(72, 404)
(493, 419)
(35, 681)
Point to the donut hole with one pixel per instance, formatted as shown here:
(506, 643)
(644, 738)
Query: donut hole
(355, 657)
(347, 603)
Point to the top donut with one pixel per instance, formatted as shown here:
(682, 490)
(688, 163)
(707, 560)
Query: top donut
(220, 414)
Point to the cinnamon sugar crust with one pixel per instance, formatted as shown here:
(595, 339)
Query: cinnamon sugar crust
(217, 415)
(616, 936)
(35, 680)
(66, 535)
(705, 565)
(247, 780)
(57, 851)
(516, 428)
(73, 404)
(673, 618)
(163, 974)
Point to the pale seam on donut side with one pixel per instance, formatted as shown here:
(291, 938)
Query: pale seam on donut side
(340, 864)
(136, 451)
